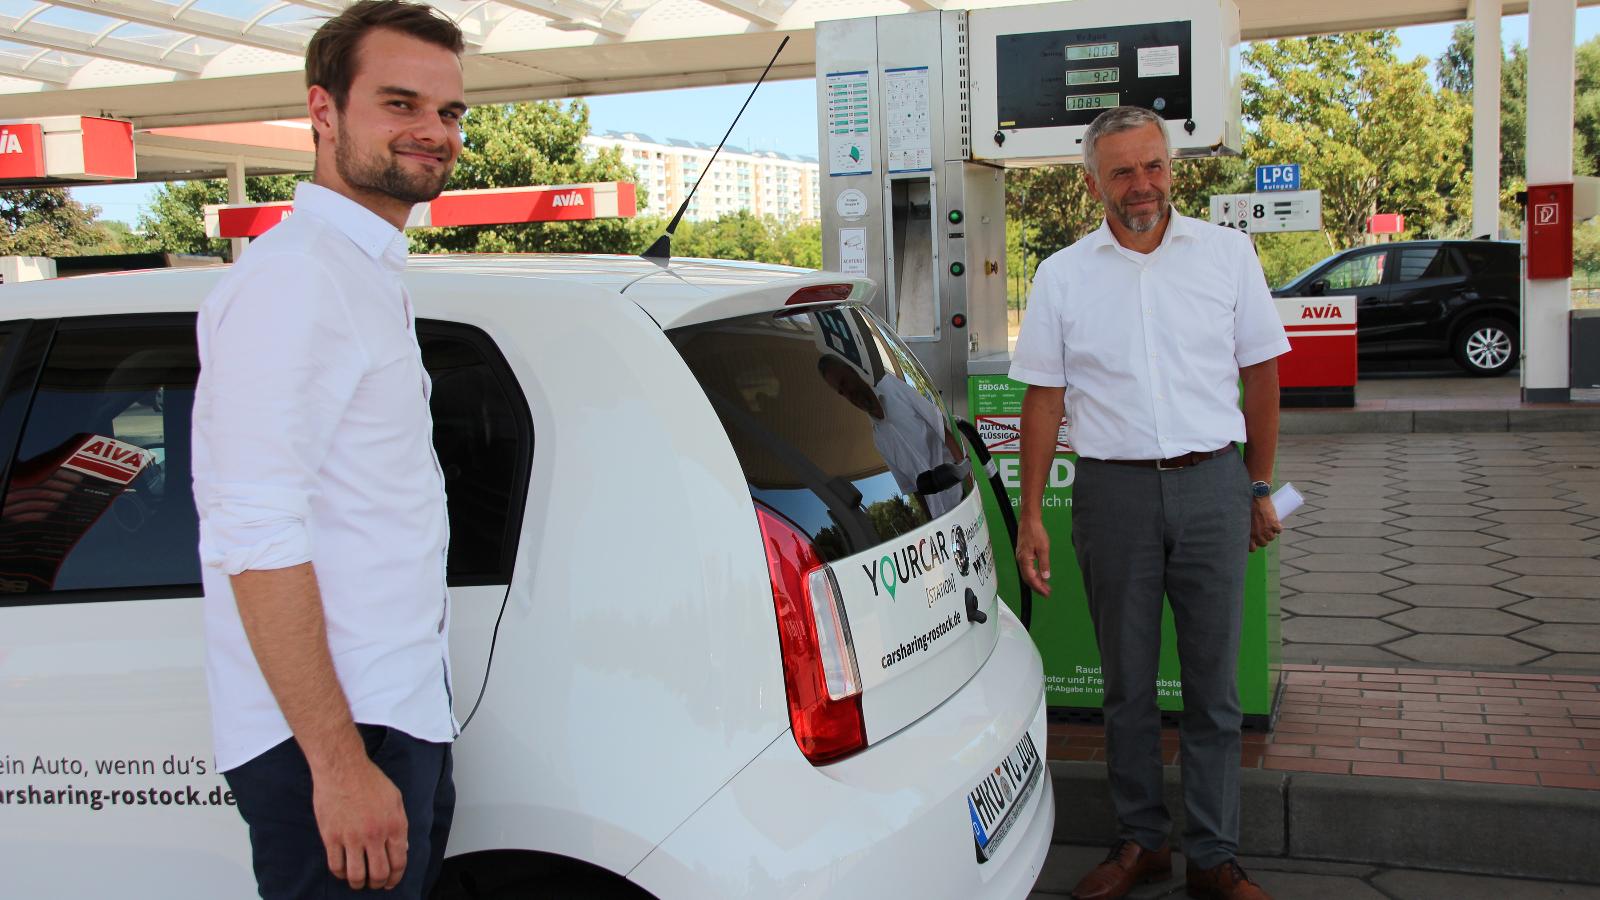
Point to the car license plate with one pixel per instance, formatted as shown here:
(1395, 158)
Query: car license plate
(999, 798)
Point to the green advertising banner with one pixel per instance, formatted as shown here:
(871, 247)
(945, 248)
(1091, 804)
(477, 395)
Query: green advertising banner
(1061, 626)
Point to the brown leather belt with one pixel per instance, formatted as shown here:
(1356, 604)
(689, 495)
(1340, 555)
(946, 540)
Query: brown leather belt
(1173, 462)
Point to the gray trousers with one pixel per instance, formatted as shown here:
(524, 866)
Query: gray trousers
(1141, 534)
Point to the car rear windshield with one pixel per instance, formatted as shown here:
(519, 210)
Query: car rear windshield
(837, 427)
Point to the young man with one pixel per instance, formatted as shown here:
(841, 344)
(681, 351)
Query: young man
(322, 506)
(1144, 329)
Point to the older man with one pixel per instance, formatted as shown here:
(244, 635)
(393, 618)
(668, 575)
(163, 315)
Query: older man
(1142, 332)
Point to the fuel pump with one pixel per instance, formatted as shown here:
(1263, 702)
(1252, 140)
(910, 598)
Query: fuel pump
(919, 117)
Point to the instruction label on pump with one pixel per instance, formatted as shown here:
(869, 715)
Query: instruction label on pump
(1158, 62)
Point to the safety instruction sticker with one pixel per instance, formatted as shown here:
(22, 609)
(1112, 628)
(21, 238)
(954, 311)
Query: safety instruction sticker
(907, 110)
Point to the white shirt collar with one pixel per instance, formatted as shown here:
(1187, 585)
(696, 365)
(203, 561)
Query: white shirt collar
(366, 229)
(1178, 226)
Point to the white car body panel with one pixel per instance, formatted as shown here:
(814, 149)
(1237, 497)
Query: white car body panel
(635, 714)
(889, 822)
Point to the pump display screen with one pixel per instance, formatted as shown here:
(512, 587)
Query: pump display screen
(1051, 79)
(1093, 76)
(1093, 101)
(1092, 51)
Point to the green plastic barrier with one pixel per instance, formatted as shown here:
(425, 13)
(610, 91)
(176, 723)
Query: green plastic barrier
(1061, 626)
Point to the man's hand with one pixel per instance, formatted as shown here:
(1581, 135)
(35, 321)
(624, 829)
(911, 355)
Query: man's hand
(1033, 555)
(363, 825)
(1264, 524)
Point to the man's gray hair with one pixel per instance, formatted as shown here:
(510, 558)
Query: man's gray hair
(1115, 121)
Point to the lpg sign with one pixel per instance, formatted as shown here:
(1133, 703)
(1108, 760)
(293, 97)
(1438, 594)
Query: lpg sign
(1278, 178)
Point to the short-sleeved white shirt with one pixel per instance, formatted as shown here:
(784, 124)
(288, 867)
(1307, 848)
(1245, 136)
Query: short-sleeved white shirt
(1149, 346)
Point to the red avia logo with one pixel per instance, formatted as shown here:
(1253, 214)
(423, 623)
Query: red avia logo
(572, 199)
(9, 142)
(1319, 312)
(109, 459)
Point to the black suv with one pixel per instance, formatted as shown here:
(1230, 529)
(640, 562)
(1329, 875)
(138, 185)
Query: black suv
(1427, 298)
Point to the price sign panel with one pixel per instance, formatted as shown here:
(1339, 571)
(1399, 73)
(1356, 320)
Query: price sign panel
(1270, 212)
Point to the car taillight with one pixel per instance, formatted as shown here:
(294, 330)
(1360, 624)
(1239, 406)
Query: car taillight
(819, 665)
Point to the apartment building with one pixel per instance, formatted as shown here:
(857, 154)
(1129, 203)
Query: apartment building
(763, 182)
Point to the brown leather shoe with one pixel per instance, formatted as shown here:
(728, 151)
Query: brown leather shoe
(1222, 882)
(1127, 866)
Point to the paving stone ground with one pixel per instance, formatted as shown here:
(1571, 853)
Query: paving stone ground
(1477, 551)
(1292, 879)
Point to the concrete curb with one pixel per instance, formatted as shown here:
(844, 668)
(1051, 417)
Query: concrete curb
(1439, 421)
(1436, 421)
(1491, 829)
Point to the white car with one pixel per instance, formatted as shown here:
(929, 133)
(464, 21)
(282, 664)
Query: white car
(709, 640)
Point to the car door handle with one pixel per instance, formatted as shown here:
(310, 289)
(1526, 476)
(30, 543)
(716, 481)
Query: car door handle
(975, 615)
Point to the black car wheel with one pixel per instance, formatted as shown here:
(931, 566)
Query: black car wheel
(1486, 347)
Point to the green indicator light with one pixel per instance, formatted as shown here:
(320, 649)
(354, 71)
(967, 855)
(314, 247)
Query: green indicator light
(956, 217)
(957, 268)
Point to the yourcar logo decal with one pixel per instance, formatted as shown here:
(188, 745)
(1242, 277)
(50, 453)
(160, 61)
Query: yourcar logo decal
(911, 561)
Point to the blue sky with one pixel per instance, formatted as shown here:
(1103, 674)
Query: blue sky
(783, 116)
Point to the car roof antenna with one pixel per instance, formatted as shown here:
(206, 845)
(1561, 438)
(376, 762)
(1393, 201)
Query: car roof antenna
(660, 252)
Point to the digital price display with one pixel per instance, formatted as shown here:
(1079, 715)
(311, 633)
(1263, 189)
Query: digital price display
(1078, 102)
(1093, 76)
(1107, 50)
(1066, 77)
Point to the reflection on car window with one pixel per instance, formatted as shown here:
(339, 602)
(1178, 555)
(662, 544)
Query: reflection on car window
(100, 493)
(835, 424)
(1427, 262)
(1357, 272)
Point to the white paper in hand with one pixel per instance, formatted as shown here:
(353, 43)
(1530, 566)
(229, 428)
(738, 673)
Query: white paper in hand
(1286, 500)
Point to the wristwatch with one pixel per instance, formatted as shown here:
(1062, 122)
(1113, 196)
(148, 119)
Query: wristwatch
(1260, 490)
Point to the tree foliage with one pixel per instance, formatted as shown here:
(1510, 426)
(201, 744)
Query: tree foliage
(175, 221)
(1454, 67)
(1348, 110)
(46, 222)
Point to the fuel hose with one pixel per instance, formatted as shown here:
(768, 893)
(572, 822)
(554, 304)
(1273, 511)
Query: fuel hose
(1002, 500)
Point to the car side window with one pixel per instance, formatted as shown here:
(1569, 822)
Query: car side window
(1356, 272)
(1489, 260)
(1417, 263)
(99, 495)
(484, 439)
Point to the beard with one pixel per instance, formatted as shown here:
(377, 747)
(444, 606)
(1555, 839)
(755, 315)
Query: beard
(1144, 222)
(371, 172)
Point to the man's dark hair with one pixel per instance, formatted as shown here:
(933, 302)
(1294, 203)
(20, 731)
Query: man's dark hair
(331, 55)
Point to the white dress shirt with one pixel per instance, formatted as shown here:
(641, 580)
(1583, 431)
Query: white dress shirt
(1149, 346)
(313, 442)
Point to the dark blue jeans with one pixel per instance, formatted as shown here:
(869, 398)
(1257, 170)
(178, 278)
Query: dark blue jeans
(274, 795)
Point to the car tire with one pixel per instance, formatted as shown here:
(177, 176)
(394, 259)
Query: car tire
(1485, 347)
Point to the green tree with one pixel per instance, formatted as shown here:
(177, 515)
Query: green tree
(1348, 109)
(519, 144)
(45, 222)
(1454, 68)
(175, 221)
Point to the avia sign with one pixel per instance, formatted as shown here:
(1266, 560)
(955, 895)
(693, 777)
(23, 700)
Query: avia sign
(21, 151)
(501, 206)
(66, 149)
